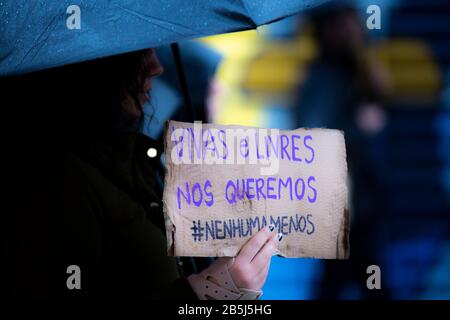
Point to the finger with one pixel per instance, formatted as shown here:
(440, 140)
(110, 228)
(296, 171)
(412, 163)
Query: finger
(264, 255)
(265, 270)
(261, 277)
(251, 248)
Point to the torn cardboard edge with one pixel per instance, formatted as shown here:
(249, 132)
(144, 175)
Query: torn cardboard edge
(342, 248)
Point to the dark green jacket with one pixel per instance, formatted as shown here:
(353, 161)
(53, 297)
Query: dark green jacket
(94, 203)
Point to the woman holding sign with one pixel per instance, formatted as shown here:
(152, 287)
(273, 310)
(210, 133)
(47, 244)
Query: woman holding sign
(85, 217)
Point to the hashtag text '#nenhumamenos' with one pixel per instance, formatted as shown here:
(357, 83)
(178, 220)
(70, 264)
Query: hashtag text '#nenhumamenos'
(241, 228)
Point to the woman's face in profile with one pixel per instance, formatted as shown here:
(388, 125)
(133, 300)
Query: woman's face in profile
(133, 104)
(154, 69)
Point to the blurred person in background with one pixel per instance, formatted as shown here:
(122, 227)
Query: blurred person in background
(345, 90)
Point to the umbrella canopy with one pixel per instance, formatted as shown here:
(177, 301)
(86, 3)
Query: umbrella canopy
(39, 34)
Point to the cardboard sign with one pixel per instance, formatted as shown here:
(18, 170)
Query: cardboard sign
(224, 183)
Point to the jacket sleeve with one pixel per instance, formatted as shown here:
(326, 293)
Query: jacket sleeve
(133, 245)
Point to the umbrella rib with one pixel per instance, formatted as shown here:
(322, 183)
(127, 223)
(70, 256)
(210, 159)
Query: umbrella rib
(244, 4)
(38, 42)
(166, 25)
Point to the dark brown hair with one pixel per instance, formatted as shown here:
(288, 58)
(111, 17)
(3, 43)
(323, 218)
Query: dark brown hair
(91, 97)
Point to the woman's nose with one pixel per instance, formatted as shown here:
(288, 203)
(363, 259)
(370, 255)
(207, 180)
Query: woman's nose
(155, 66)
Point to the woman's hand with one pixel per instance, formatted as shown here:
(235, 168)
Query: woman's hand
(241, 277)
(251, 266)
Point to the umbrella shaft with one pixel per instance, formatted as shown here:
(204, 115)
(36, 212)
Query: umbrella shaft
(182, 79)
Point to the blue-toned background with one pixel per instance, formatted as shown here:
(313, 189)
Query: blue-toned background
(412, 235)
